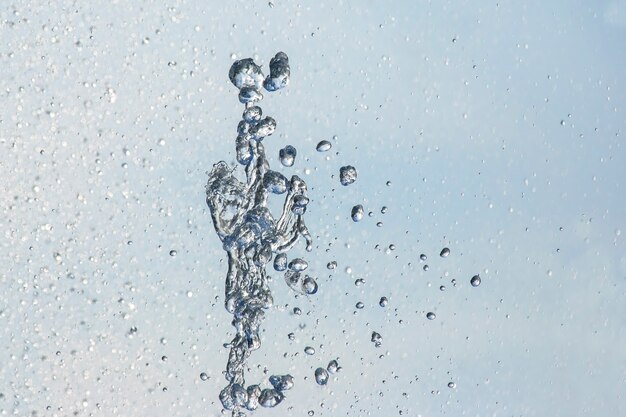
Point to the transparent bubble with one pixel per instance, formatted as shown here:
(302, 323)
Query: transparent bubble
(423, 257)
(270, 398)
(360, 305)
(444, 252)
(309, 350)
(430, 315)
(204, 376)
(383, 301)
(309, 285)
(173, 252)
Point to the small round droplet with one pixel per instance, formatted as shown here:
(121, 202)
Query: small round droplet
(357, 213)
(298, 264)
(204, 376)
(347, 175)
(323, 146)
(280, 262)
(451, 384)
(425, 267)
(444, 252)
(321, 376)
(430, 315)
(423, 257)
(309, 285)
(309, 350)
(360, 305)
(475, 281)
(173, 252)
(333, 366)
(331, 265)
(287, 155)
(383, 302)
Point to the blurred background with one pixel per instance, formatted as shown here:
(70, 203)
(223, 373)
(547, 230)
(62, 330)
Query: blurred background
(494, 129)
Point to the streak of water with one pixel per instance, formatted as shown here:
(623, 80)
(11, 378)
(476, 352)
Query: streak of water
(251, 235)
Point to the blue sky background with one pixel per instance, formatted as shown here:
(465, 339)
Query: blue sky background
(499, 126)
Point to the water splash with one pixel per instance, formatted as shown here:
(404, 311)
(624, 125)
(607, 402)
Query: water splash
(251, 235)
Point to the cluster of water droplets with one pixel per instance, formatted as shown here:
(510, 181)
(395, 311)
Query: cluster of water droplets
(251, 235)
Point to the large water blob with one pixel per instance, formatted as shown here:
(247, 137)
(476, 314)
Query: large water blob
(251, 235)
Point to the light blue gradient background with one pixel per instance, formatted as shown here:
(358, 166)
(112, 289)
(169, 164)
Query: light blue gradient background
(499, 124)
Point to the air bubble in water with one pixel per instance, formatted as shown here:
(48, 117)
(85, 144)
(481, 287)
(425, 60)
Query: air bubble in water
(204, 376)
(323, 146)
(475, 281)
(347, 175)
(287, 155)
(331, 265)
(430, 315)
(309, 350)
(321, 376)
(444, 252)
(173, 252)
(360, 305)
(357, 213)
(383, 302)
(423, 257)
(451, 384)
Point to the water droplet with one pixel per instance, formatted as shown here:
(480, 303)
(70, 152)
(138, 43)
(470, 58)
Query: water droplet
(430, 315)
(423, 257)
(331, 265)
(245, 73)
(282, 382)
(360, 305)
(275, 182)
(359, 281)
(298, 264)
(347, 175)
(357, 213)
(280, 262)
(309, 285)
(383, 302)
(475, 281)
(270, 398)
(333, 366)
(173, 252)
(321, 376)
(451, 384)
(323, 146)
(287, 155)
(377, 339)
(204, 376)
(425, 267)
(252, 114)
(309, 350)
(444, 252)
(279, 73)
